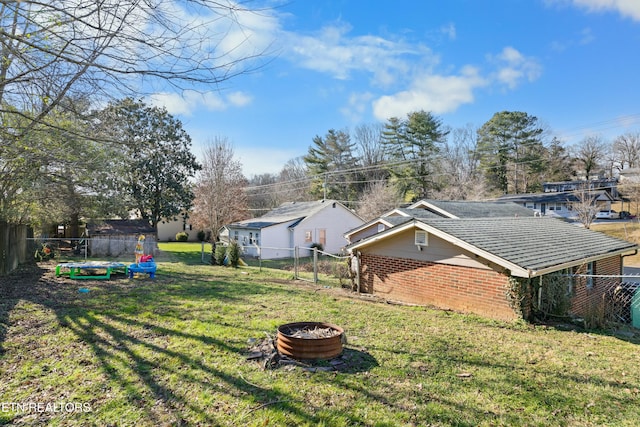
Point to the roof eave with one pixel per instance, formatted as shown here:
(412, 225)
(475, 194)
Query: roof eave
(582, 261)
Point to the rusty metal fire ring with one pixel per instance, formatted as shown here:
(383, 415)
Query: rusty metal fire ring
(309, 348)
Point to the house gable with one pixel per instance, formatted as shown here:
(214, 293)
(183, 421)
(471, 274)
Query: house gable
(297, 224)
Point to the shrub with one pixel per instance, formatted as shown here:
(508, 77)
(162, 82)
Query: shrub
(182, 236)
(201, 236)
(233, 253)
(219, 253)
(317, 246)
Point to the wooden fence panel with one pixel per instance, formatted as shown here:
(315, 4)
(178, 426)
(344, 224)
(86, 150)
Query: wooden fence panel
(13, 246)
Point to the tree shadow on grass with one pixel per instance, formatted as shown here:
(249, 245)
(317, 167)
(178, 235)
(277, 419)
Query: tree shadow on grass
(16, 286)
(164, 373)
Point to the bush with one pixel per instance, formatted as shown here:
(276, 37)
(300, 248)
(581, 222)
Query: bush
(317, 246)
(182, 236)
(201, 236)
(233, 253)
(219, 254)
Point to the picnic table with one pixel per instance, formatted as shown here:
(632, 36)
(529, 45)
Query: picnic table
(75, 269)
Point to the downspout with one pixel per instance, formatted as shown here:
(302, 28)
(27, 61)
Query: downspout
(635, 252)
(540, 294)
(358, 271)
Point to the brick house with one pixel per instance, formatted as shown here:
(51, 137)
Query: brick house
(496, 267)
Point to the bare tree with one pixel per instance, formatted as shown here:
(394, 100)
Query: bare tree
(589, 154)
(626, 150)
(378, 198)
(369, 149)
(66, 48)
(219, 191)
(459, 174)
(261, 193)
(294, 182)
(585, 206)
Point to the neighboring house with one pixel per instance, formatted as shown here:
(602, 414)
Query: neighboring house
(558, 203)
(296, 224)
(610, 185)
(630, 176)
(115, 237)
(168, 228)
(471, 265)
(438, 209)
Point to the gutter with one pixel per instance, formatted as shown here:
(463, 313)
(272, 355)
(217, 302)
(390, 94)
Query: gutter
(536, 273)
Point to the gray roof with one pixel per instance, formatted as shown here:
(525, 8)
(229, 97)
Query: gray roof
(533, 246)
(416, 213)
(120, 226)
(481, 209)
(286, 212)
(532, 243)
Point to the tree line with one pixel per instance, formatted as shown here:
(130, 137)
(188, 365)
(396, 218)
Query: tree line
(405, 159)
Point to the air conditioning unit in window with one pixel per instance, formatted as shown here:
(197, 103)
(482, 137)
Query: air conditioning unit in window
(421, 239)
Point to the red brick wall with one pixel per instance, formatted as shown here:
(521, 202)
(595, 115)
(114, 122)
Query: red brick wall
(465, 289)
(585, 298)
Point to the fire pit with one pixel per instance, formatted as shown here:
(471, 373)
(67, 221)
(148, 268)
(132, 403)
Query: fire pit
(310, 340)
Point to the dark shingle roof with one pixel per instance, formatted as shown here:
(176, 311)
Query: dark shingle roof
(120, 226)
(531, 243)
(478, 209)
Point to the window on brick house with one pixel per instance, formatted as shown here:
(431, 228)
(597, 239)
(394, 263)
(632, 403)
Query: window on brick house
(590, 273)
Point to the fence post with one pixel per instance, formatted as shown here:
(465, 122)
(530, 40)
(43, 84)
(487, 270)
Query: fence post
(295, 263)
(315, 265)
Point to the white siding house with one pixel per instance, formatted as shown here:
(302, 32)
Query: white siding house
(295, 224)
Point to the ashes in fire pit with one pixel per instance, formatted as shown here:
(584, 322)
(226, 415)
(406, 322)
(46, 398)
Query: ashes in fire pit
(310, 340)
(310, 332)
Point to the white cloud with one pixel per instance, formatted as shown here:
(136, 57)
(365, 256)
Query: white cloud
(628, 8)
(174, 103)
(332, 51)
(357, 106)
(513, 68)
(435, 93)
(191, 101)
(239, 99)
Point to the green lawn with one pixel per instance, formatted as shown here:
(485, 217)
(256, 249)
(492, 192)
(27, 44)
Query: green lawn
(172, 351)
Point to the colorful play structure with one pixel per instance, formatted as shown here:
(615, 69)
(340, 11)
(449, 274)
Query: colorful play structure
(101, 270)
(144, 263)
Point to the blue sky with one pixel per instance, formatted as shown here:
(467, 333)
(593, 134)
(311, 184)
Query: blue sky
(337, 64)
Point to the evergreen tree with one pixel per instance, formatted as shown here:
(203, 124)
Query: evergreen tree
(510, 151)
(156, 176)
(412, 146)
(331, 163)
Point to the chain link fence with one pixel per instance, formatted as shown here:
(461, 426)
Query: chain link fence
(312, 265)
(617, 302)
